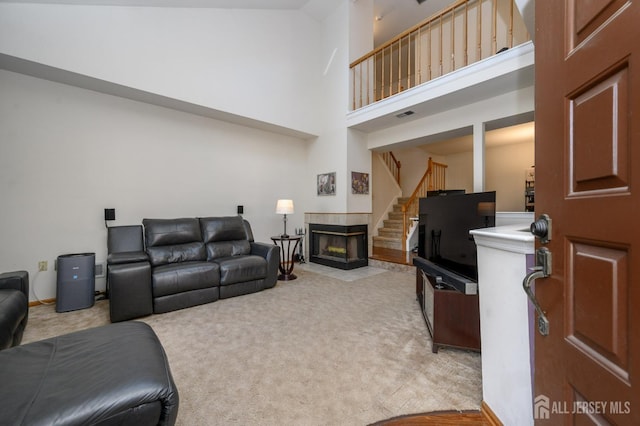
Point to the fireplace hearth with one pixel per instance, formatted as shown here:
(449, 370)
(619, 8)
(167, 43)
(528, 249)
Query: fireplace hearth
(338, 246)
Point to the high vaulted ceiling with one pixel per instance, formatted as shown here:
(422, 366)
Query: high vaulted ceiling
(391, 17)
(319, 9)
(221, 4)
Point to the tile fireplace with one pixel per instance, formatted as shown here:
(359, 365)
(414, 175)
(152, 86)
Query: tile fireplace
(338, 246)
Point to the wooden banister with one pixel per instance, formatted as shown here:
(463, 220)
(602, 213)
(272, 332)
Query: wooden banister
(393, 164)
(436, 46)
(433, 179)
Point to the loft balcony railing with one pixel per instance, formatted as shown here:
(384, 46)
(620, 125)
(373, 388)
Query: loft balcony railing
(463, 33)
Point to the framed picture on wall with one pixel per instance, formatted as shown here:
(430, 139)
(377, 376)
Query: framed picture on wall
(359, 183)
(327, 183)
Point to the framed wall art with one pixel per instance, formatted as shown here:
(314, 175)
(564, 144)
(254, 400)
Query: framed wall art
(359, 183)
(327, 183)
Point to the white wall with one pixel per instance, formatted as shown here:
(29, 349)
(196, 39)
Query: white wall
(359, 159)
(259, 64)
(413, 164)
(505, 168)
(386, 194)
(360, 28)
(67, 153)
(337, 149)
(460, 171)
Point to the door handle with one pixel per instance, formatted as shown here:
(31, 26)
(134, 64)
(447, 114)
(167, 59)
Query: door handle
(541, 270)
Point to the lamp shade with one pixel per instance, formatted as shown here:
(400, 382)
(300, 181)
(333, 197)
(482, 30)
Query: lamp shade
(284, 207)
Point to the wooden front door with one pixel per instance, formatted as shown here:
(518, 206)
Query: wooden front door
(588, 181)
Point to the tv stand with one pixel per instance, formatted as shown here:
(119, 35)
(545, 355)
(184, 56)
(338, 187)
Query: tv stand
(452, 317)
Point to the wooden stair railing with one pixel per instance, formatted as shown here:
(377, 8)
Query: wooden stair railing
(433, 179)
(461, 34)
(393, 164)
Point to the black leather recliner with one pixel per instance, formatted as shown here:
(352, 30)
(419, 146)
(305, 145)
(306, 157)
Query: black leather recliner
(245, 266)
(180, 274)
(128, 274)
(186, 262)
(14, 307)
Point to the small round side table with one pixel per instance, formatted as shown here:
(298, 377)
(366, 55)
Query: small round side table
(288, 245)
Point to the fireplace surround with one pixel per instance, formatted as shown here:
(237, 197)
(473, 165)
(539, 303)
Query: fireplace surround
(338, 246)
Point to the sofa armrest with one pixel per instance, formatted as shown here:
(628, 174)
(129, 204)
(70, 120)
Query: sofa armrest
(271, 253)
(129, 289)
(127, 257)
(18, 280)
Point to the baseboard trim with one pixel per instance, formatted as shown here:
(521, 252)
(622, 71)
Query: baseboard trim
(98, 294)
(42, 302)
(489, 415)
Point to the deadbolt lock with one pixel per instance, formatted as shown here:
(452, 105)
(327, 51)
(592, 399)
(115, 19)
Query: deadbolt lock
(541, 228)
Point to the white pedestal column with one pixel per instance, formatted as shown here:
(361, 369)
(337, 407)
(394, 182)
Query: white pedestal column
(503, 253)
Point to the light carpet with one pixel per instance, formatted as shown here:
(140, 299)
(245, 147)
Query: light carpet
(314, 351)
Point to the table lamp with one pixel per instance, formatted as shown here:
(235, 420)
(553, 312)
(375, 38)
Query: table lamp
(284, 207)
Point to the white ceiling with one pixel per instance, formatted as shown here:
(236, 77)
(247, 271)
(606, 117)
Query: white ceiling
(218, 4)
(318, 9)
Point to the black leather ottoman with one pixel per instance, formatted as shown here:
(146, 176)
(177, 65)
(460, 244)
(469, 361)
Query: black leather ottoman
(112, 375)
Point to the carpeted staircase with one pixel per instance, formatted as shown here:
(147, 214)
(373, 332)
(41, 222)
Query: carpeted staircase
(390, 235)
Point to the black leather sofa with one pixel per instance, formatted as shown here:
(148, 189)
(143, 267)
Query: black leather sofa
(191, 261)
(111, 375)
(14, 307)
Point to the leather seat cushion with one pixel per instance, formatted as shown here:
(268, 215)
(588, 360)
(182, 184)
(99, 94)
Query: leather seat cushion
(179, 277)
(237, 269)
(114, 374)
(13, 308)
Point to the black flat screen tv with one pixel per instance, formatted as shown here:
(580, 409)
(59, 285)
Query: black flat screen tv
(444, 225)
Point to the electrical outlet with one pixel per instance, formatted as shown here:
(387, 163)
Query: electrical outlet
(109, 214)
(43, 265)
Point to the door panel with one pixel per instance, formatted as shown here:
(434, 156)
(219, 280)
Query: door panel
(587, 148)
(598, 135)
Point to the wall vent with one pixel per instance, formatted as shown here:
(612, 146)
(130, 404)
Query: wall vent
(404, 114)
(99, 271)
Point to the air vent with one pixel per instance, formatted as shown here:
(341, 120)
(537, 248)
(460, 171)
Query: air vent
(99, 270)
(404, 114)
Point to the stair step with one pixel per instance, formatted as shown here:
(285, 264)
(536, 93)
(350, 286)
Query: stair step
(396, 216)
(386, 242)
(390, 232)
(394, 224)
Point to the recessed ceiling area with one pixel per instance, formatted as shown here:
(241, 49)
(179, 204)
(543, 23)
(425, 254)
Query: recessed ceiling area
(519, 133)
